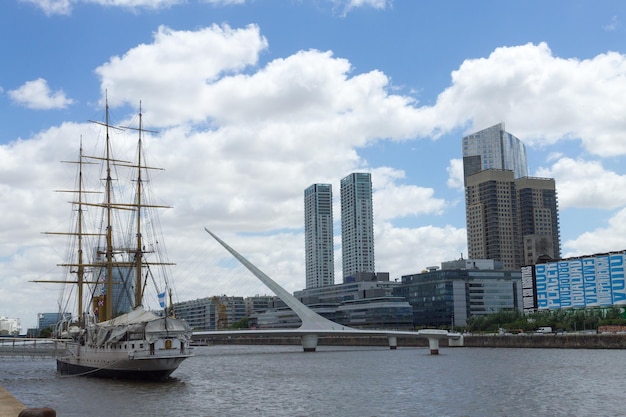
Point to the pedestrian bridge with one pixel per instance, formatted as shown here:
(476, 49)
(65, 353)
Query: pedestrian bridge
(314, 326)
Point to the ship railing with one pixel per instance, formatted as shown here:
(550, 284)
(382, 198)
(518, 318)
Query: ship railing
(159, 353)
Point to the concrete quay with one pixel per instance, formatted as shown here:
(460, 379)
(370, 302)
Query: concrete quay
(548, 341)
(542, 341)
(11, 407)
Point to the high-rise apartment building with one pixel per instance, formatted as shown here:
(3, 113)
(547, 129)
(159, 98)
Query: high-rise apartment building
(491, 217)
(318, 236)
(357, 225)
(494, 148)
(510, 217)
(538, 218)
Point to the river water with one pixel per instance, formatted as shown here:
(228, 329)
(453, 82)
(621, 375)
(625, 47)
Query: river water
(342, 381)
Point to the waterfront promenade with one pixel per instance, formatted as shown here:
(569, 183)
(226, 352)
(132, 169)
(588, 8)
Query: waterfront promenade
(549, 341)
(23, 346)
(9, 406)
(530, 340)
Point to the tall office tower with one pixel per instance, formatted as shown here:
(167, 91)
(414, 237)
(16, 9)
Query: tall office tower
(357, 225)
(494, 148)
(511, 220)
(539, 219)
(491, 211)
(318, 236)
(510, 216)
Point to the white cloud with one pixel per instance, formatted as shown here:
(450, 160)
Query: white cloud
(187, 62)
(542, 98)
(224, 2)
(52, 7)
(307, 96)
(64, 7)
(37, 95)
(346, 6)
(586, 184)
(392, 200)
(612, 25)
(603, 239)
(404, 251)
(455, 174)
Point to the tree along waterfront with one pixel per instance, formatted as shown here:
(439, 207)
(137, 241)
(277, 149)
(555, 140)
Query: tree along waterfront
(564, 320)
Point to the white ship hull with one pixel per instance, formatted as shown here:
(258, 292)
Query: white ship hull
(124, 361)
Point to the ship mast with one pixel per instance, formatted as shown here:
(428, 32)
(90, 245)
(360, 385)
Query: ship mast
(109, 264)
(80, 272)
(109, 228)
(139, 249)
(109, 205)
(139, 206)
(138, 263)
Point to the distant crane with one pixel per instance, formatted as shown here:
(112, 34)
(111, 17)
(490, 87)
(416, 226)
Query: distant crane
(222, 316)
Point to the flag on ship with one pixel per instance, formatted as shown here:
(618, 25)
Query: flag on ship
(162, 299)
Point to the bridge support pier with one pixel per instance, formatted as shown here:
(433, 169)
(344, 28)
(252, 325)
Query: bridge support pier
(309, 342)
(393, 342)
(433, 344)
(456, 342)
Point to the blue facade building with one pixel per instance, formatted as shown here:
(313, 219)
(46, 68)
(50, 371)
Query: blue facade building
(49, 320)
(593, 281)
(449, 297)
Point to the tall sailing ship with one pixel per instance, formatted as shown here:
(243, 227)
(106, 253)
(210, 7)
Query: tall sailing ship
(112, 334)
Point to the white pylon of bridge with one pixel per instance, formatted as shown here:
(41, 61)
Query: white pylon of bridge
(314, 325)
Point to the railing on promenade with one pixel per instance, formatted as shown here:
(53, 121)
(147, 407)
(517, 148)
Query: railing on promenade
(30, 347)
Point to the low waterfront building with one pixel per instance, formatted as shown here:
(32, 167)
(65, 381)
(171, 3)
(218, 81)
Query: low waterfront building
(275, 318)
(367, 301)
(49, 320)
(364, 285)
(269, 311)
(590, 281)
(211, 313)
(376, 313)
(367, 313)
(451, 295)
(260, 303)
(9, 327)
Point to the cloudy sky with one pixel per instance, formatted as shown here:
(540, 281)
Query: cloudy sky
(254, 101)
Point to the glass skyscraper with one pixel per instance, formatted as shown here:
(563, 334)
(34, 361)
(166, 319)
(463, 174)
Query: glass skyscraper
(494, 148)
(510, 217)
(318, 236)
(357, 225)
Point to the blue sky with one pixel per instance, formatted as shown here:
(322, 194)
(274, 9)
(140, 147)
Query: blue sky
(256, 100)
